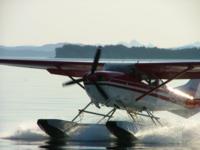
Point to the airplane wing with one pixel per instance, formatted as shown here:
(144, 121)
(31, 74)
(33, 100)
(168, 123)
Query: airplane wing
(68, 67)
(77, 68)
(167, 70)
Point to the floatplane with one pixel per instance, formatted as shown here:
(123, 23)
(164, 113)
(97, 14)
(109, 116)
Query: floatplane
(139, 88)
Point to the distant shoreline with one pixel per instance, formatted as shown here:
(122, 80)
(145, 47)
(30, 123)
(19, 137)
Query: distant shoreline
(123, 52)
(63, 50)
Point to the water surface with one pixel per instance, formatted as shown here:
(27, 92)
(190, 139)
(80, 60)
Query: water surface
(29, 94)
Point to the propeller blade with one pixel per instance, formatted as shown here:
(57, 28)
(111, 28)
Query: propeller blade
(96, 60)
(77, 81)
(101, 91)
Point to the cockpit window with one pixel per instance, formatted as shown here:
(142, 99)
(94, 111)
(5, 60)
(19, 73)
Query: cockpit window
(151, 82)
(132, 70)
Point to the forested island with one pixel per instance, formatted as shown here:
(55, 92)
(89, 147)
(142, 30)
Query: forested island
(123, 52)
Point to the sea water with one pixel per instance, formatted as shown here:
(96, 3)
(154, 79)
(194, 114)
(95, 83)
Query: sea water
(30, 94)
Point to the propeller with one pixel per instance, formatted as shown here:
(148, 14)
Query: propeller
(73, 81)
(96, 60)
(92, 71)
(101, 91)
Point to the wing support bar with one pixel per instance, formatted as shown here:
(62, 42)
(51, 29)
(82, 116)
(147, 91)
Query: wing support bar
(94, 113)
(80, 112)
(164, 83)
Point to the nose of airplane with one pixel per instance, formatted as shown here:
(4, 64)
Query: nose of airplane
(91, 77)
(96, 77)
(94, 80)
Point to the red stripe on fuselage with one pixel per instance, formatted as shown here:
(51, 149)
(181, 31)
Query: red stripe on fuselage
(134, 89)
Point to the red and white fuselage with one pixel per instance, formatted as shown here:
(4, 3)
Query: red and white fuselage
(123, 90)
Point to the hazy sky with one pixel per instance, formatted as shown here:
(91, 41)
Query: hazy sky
(165, 23)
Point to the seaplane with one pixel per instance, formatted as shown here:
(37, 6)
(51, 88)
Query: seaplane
(137, 87)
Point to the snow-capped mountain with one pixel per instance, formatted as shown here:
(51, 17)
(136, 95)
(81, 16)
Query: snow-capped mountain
(134, 43)
(192, 45)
